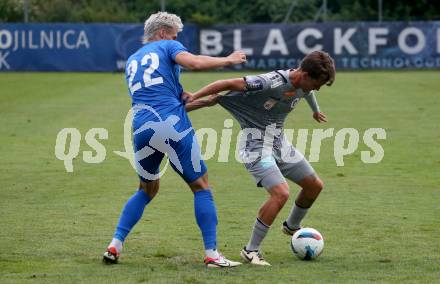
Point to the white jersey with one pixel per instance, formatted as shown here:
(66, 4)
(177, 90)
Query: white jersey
(268, 100)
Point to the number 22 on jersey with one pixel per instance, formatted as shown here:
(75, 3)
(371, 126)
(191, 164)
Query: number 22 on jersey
(132, 68)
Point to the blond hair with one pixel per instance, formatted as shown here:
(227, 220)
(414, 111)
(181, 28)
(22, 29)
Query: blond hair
(161, 20)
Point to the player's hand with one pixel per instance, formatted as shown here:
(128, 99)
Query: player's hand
(186, 97)
(237, 57)
(320, 117)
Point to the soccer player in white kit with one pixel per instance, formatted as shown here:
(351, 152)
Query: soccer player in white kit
(261, 103)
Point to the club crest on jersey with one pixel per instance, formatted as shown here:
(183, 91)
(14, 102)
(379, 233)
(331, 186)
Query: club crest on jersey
(269, 104)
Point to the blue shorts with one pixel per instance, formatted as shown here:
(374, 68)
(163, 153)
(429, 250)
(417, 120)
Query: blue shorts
(154, 136)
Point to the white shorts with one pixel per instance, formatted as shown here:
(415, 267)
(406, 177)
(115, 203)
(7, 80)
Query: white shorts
(271, 167)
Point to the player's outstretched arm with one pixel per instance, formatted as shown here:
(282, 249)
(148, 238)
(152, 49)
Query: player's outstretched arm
(237, 84)
(201, 103)
(202, 62)
(317, 114)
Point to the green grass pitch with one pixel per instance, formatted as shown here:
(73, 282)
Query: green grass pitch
(380, 222)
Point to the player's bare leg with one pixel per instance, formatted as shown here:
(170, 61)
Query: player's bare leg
(130, 215)
(206, 217)
(200, 183)
(311, 187)
(151, 188)
(279, 194)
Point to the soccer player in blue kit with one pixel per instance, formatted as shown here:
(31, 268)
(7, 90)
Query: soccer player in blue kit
(161, 126)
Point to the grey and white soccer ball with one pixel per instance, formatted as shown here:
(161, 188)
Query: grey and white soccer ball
(307, 243)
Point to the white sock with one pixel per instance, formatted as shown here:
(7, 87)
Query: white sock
(296, 216)
(258, 234)
(212, 253)
(117, 244)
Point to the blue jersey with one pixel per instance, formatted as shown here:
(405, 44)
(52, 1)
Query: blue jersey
(161, 124)
(153, 77)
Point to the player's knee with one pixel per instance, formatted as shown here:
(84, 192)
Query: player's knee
(313, 184)
(281, 193)
(315, 188)
(151, 188)
(318, 185)
(284, 196)
(200, 183)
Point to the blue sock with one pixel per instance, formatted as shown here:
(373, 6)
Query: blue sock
(132, 212)
(206, 216)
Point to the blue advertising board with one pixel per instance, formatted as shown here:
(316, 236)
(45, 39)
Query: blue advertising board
(73, 47)
(360, 45)
(105, 47)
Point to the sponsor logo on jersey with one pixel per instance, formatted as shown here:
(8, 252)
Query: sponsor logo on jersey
(275, 80)
(294, 102)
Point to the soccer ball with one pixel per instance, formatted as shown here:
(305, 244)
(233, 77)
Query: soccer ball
(307, 243)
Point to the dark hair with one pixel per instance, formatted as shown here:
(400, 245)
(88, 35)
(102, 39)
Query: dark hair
(320, 66)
